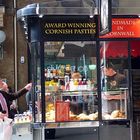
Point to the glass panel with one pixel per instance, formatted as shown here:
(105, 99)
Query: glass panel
(114, 79)
(70, 84)
(36, 77)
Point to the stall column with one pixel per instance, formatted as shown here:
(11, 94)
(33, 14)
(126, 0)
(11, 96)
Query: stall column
(38, 133)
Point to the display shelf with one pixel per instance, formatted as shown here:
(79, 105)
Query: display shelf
(114, 97)
(21, 128)
(80, 92)
(67, 124)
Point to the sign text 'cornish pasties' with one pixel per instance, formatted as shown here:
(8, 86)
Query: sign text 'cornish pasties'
(77, 29)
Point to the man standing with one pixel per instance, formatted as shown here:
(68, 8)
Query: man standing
(6, 97)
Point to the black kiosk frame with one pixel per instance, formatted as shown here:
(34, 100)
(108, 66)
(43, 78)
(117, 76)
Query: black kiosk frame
(72, 33)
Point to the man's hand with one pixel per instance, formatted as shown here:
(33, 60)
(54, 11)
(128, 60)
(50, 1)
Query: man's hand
(2, 115)
(28, 86)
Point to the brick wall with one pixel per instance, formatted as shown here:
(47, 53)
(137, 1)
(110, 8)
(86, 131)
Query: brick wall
(22, 51)
(7, 64)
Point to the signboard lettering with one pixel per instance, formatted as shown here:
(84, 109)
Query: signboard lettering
(72, 29)
(124, 28)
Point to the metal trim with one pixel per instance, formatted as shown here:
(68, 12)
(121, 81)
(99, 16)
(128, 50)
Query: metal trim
(49, 8)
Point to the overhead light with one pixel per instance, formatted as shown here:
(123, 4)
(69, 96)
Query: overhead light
(25, 26)
(26, 32)
(91, 16)
(26, 37)
(23, 18)
(41, 16)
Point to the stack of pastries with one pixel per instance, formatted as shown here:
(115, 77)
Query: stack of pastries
(116, 114)
(83, 116)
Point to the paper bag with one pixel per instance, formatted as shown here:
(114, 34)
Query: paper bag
(6, 129)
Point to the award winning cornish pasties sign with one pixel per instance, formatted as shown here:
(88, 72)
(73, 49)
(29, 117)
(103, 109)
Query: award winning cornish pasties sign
(69, 28)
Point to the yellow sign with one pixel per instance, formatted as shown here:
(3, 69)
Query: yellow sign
(70, 28)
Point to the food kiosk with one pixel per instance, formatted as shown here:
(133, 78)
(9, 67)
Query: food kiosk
(81, 90)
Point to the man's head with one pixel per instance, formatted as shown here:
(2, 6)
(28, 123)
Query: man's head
(3, 86)
(109, 71)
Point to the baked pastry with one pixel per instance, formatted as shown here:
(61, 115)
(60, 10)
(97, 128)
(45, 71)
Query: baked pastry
(106, 117)
(76, 75)
(83, 116)
(73, 117)
(93, 116)
(121, 115)
(115, 114)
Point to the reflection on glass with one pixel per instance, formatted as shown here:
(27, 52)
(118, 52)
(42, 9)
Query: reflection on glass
(37, 82)
(70, 81)
(114, 79)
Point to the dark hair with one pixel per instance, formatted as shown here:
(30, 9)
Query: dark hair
(10, 89)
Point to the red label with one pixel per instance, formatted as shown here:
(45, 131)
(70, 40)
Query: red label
(124, 28)
(62, 111)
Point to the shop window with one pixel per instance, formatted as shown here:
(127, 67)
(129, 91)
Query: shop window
(70, 75)
(114, 79)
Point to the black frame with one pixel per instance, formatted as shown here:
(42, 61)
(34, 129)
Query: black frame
(98, 76)
(2, 3)
(116, 128)
(105, 17)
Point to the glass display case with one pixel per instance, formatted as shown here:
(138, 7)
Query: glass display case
(81, 82)
(114, 79)
(69, 83)
(67, 92)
